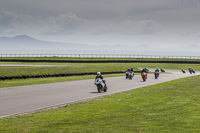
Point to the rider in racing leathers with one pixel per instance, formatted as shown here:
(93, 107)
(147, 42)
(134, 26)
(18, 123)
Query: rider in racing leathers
(99, 76)
(144, 70)
(157, 70)
(132, 70)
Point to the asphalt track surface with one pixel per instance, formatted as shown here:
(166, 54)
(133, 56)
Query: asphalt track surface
(30, 98)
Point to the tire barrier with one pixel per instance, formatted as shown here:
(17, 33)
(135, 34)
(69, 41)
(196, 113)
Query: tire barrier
(57, 75)
(100, 61)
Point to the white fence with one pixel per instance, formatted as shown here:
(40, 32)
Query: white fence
(101, 56)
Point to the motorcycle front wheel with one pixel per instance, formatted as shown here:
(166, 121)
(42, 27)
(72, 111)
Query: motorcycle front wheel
(99, 88)
(144, 79)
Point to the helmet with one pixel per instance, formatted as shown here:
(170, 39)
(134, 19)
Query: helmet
(98, 73)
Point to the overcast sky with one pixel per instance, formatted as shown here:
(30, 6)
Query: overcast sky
(104, 22)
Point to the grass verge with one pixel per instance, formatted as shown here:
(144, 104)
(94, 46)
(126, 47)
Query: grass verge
(86, 67)
(21, 82)
(167, 107)
(71, 68)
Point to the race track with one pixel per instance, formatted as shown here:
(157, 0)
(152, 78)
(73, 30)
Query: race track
(23, 99)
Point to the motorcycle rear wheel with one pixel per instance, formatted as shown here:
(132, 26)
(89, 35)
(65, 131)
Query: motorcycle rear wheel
(105, 88)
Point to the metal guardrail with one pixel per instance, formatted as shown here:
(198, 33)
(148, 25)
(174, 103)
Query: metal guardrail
(102, 56)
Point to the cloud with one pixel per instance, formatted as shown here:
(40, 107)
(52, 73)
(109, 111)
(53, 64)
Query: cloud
(128, 27)
(140, 27)
(12, 23)
(64, 24)
(70, 23)
(192, 32)
(6, 21)
(20, 23)
(128, 20)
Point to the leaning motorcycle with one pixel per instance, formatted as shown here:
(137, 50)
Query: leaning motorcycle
(127, 74)
(190, 71)
(131, 74)
(144, 76)
(156, 74)
(101, 85)
(193, 71)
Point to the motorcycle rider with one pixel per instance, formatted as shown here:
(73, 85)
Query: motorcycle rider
(157, 69)
(190, 70)
(162, 70)
(183, 70)
(127, 73)
(132, 70)
(144, 70)
(193, 71)
(100, 76)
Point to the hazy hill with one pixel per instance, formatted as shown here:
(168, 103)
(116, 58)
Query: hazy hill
(27, 42)
(24, 41)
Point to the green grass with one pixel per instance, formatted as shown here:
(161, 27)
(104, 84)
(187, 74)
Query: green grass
(22, 82)
(167, 107)
(86, 67)
(75, 68)
(72, 68)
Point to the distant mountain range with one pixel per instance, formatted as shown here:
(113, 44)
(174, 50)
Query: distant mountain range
(27, 42)
(24, 41)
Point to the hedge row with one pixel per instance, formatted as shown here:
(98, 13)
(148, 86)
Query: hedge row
(56, 75)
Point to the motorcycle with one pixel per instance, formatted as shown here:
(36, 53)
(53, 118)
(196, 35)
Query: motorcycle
(147, 70)
(162, 70)
(193, 71)
(183, 71)
(156, 74)
(144, 76)
(131, 74)
(101, 85)
(127, 74)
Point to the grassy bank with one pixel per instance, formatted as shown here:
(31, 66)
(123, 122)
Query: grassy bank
(75, 68)
(71, 68)
(22, 82)
(86, 67)
(167, 107)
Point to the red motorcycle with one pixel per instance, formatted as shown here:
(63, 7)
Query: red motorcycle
(144, 76)
(156, 74)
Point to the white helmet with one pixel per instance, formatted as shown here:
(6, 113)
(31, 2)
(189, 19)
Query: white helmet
(98, 73)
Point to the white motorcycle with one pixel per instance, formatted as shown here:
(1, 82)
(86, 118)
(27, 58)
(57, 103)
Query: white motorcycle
(101, 85)
(127, 74)
(131, 74)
